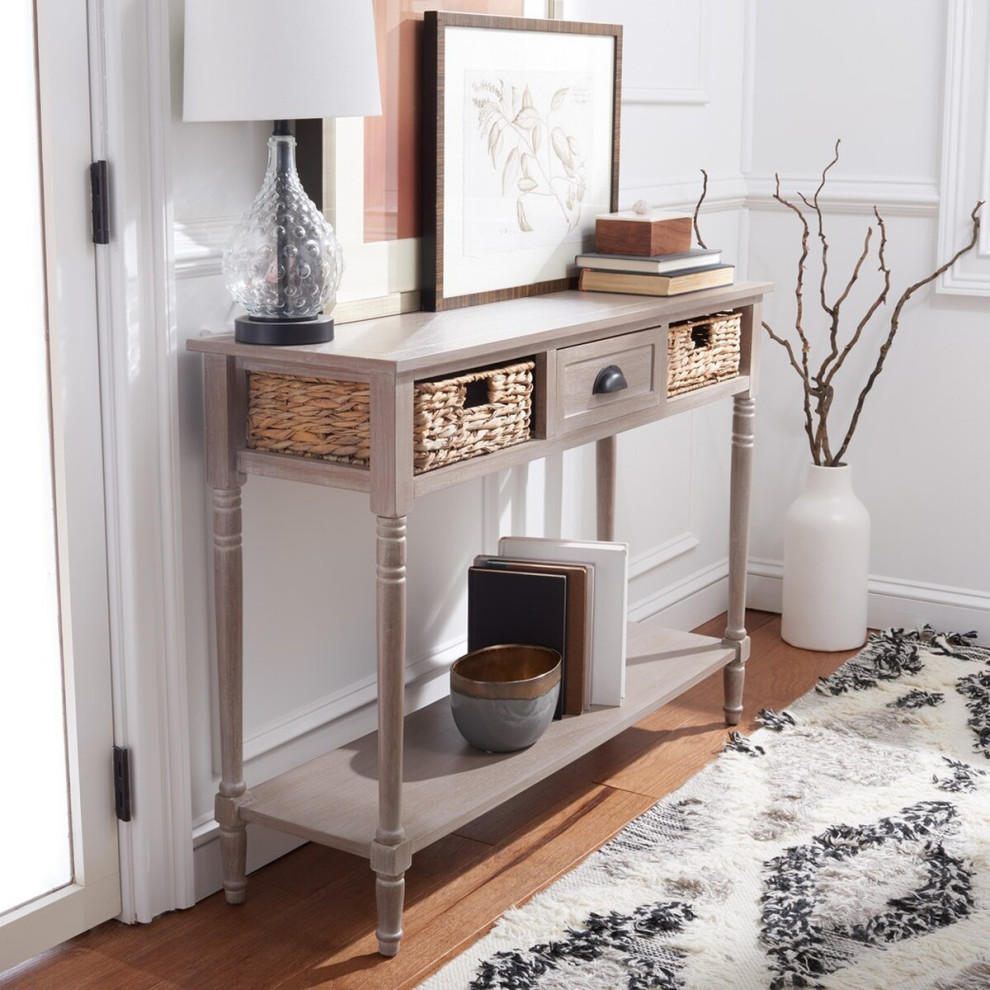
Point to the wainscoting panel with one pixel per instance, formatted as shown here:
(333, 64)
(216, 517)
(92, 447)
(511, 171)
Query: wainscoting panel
(665, 47)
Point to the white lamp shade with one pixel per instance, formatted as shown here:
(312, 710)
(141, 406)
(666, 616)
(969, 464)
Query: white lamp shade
(280, 60)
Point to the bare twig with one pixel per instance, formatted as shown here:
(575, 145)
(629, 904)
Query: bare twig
(806, 389)
(875, 305)
(697, 209)
(895, 319)
(818, 389)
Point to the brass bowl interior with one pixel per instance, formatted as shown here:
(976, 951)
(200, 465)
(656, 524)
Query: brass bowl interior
(504, 671)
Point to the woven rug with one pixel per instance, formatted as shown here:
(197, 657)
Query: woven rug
(845, 844)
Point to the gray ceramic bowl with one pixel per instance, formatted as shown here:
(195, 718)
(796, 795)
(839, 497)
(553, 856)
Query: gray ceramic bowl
(503, 697)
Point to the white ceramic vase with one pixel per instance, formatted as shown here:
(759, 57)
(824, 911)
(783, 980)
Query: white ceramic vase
(826, 564)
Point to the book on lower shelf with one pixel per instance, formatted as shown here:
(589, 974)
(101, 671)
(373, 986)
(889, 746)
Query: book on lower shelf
(609, 603)
(659, 264)
(580, 579)
(642, 284)
(527, 607)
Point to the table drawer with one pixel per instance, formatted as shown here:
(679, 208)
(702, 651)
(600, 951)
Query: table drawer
(606, 379)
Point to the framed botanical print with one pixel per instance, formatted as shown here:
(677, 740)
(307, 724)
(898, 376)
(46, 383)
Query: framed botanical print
(522, 145)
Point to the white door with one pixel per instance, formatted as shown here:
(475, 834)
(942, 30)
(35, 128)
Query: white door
(54, 640)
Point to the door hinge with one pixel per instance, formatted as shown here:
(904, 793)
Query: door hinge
(122, 782)
(100, 188)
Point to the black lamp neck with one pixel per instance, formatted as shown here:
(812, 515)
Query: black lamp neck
(282, 128)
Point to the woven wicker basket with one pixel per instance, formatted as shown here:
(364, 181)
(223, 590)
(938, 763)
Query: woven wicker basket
(474, 413)
(702, 351)
(309, 417)
(453, 418)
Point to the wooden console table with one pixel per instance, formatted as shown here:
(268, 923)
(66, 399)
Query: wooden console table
(415, 780)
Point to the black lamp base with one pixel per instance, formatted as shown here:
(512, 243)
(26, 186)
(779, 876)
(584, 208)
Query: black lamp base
(283, 333)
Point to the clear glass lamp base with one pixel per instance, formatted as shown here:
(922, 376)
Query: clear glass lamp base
(283, 262)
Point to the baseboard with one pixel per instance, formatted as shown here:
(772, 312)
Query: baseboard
(688, 603)
(892, 602)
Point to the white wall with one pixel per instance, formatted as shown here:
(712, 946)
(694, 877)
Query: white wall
(743, 90)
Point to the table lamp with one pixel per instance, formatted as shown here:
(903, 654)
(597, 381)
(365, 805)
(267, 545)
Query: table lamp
(281, 60)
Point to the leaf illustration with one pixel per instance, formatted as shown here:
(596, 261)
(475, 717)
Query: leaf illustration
(527, 118)
(526, 184)
(561, 147)
(559, 97)
(575, 148)
(495, 139)
(510, 169)
(527, 98)
(521, 216)
(536, 139)
(516, 102)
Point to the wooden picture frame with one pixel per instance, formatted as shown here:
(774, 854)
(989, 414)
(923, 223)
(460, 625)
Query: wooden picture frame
(522, 143)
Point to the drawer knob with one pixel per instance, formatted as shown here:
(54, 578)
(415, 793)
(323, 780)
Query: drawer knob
(610, 379)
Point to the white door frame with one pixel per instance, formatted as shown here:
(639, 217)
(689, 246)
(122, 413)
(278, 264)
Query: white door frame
(130, 79)
(93, 895)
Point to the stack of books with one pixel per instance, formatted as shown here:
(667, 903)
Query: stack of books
(569, 595)
(649, 254)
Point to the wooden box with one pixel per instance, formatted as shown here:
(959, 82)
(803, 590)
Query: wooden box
(645, 234)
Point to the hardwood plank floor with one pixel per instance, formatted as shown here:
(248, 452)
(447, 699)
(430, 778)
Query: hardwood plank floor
(309, 918)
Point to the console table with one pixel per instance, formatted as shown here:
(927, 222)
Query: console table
(415, 780)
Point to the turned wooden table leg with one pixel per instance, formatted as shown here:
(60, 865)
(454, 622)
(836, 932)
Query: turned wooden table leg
(390, 856)
(605, 461)
(744, 411)
(228, 586)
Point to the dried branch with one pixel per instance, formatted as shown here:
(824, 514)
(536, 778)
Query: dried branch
(877, 302)
(816, 207)
(799, 284)
(818, 389)
(697, 209)
(806, 389)
(895, 320)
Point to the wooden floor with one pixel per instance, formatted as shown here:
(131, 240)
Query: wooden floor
(309, 918)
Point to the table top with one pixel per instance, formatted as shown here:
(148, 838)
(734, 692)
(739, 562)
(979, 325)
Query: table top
(414, 342)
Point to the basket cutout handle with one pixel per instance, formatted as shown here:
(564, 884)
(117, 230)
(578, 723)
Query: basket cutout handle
(477, 393)
(701, 336)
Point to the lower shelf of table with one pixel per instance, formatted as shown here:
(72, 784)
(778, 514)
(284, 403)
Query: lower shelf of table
(333, 799)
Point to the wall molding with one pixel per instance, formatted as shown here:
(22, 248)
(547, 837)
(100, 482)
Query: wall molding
(198, 245)
(893, 196)
(662, 554)
(707, 582)
(138, 368)
(893, 602)
(965, 146)
(334, 706)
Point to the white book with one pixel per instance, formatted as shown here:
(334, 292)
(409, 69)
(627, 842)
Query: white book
(610, 560)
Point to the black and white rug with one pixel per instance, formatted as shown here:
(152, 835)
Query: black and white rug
(846, 844)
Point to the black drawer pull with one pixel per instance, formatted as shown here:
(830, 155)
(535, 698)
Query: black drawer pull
(610, 379)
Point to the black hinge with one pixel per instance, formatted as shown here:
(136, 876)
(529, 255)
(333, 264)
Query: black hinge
(122, 783)
(100, 188)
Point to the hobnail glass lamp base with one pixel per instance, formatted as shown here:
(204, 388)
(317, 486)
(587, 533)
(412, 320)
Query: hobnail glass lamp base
(283, 333)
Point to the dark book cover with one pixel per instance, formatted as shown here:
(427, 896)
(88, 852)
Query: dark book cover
(577, 657)
(518, 607)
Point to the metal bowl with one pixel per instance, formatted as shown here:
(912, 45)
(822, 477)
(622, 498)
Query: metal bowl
(503, 697)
